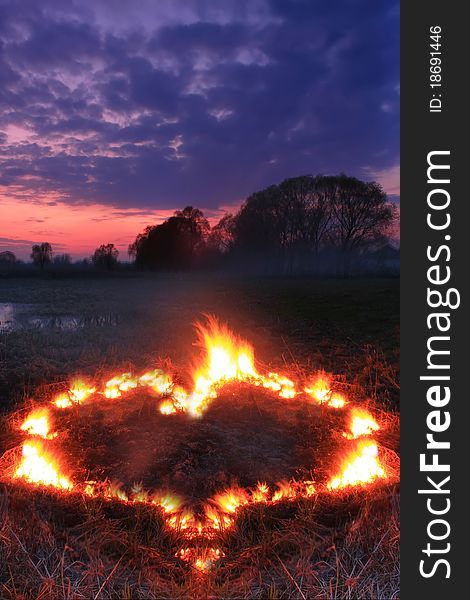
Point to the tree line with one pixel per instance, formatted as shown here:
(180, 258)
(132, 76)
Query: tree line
(309, 224)
(42, 256)
(304, 225)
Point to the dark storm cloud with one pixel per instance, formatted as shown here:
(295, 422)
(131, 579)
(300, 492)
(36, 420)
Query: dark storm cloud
(194, 102)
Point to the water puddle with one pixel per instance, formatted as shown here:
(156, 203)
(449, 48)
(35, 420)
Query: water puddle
(15, 316)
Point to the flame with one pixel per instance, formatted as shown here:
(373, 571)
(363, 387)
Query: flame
(208, 558)
(285, 491)
(260, 493)
(180, 397)
(169, 503)
(309, 489)
(320, 388)
(217, 519)
(167, 408)
(139, 494)
(113, 490)
(90, 488)
(278, 383)
(38, 467)
(202, 560)
(228, 358)
(62, 401)
(78, 392)
(361, 466)
(337, 401)
(121, 383)
(38, 423)
(361, 423)
(182, 520)
(159, 381)
(230, 500)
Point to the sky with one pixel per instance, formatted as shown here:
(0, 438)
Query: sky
(115, 113)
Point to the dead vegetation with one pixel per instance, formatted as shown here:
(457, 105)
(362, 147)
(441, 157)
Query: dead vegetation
(71, 547)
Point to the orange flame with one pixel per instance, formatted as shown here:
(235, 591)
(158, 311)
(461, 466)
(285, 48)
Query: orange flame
(167, 408)
(217, 519)
(139, 494)
(62, 401)
(260, 493)
(361, 423)
(228, 358)
(38, 467)
(121, 383)
(169, 503)
(38, 423)
(230, 500)
(320, 390)
(183, 520)
(113, 490)
(361, 466)
(78, 392)
(285, 490)
(159, 381)
(337, 401)
(202, 560)
(309, 489)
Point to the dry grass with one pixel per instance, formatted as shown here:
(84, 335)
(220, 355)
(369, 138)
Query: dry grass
(68, 547)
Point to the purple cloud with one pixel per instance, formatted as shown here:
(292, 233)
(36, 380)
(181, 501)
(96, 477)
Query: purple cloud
(193, 102)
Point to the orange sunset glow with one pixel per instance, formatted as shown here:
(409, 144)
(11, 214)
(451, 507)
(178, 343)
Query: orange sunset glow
(74, 229)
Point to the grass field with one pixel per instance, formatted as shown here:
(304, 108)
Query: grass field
(345, 547)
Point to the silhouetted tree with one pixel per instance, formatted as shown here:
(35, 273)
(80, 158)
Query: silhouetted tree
(105, 257)
(259, 230)
(221, 236)
(304, 224)
(62, 260)
(285, 227)
(361, 215)
(174, 243)
(7, 257)
(41, 254)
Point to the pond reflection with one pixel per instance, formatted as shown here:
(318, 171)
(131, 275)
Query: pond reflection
(14, 316)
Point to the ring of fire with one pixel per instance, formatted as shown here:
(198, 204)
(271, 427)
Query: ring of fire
(227, 359)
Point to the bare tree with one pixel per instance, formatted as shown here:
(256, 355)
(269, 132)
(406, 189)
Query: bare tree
(361, 214)
(41, 254)
(62, 260)
(7, 257)
(105, 257)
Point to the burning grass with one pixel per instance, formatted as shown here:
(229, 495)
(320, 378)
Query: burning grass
(92, 408)
(260, 496)
(60, 546)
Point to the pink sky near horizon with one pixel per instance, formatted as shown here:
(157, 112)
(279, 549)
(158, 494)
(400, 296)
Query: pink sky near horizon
(75, 229)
